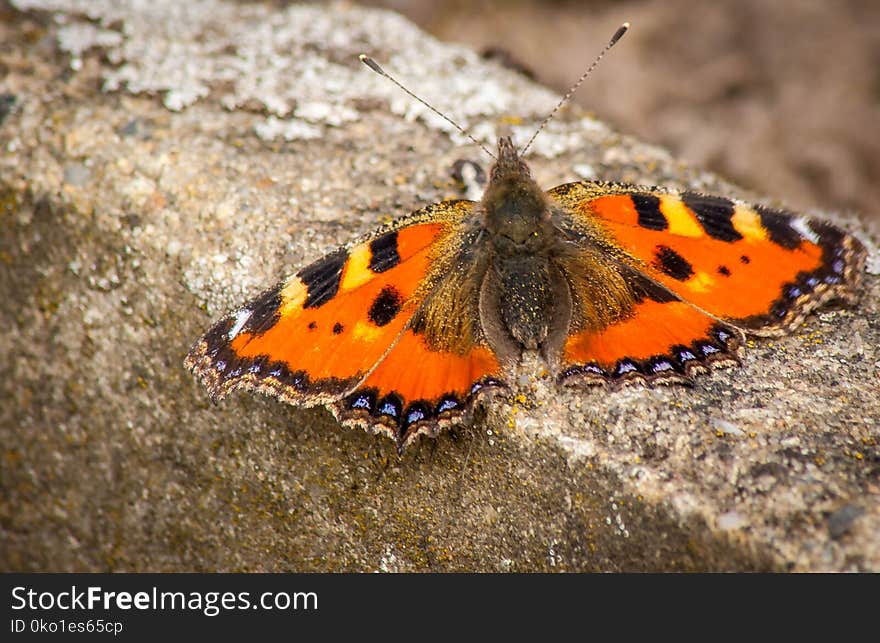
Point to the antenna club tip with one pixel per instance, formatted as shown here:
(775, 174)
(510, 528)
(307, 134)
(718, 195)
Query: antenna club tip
(618, 34)
(372, 64)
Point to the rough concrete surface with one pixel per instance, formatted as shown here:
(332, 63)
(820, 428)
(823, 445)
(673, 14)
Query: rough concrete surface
(158, 167)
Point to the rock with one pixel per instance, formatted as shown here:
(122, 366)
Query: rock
(841, 520)
(135, 216)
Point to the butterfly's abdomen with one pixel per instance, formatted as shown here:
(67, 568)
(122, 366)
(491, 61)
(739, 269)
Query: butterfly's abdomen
(526, 298)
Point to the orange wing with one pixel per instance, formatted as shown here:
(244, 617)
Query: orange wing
(416, 390)
(336, 333)
(759, 269)
(661, 338)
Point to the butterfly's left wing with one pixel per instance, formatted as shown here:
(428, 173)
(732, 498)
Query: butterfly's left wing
(383, 331)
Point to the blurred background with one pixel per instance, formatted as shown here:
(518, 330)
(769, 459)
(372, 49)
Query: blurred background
(782, 97)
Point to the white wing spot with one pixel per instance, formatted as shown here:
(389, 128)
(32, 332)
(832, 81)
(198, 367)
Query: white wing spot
(802, 225)
(241, 318)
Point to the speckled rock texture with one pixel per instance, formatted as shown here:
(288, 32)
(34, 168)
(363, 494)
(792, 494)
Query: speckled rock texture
(162, 161)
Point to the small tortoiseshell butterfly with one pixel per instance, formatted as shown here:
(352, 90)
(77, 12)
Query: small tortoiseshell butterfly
(402, 332)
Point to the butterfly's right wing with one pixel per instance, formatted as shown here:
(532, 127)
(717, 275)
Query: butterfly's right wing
(761, 270)
(688, 273)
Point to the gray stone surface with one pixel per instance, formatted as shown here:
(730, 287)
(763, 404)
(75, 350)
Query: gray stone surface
(157, 168)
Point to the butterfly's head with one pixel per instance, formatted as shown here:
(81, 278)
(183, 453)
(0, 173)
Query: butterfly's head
(508, 164)
(509, 174)
(514, 205)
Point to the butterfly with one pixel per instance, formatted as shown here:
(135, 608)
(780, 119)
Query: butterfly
(405, 330)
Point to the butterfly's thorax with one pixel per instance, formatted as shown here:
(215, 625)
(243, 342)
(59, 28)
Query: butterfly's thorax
(521, 239)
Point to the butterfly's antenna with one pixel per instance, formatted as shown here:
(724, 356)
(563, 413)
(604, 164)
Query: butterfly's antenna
(617, 36)
(372, 64)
